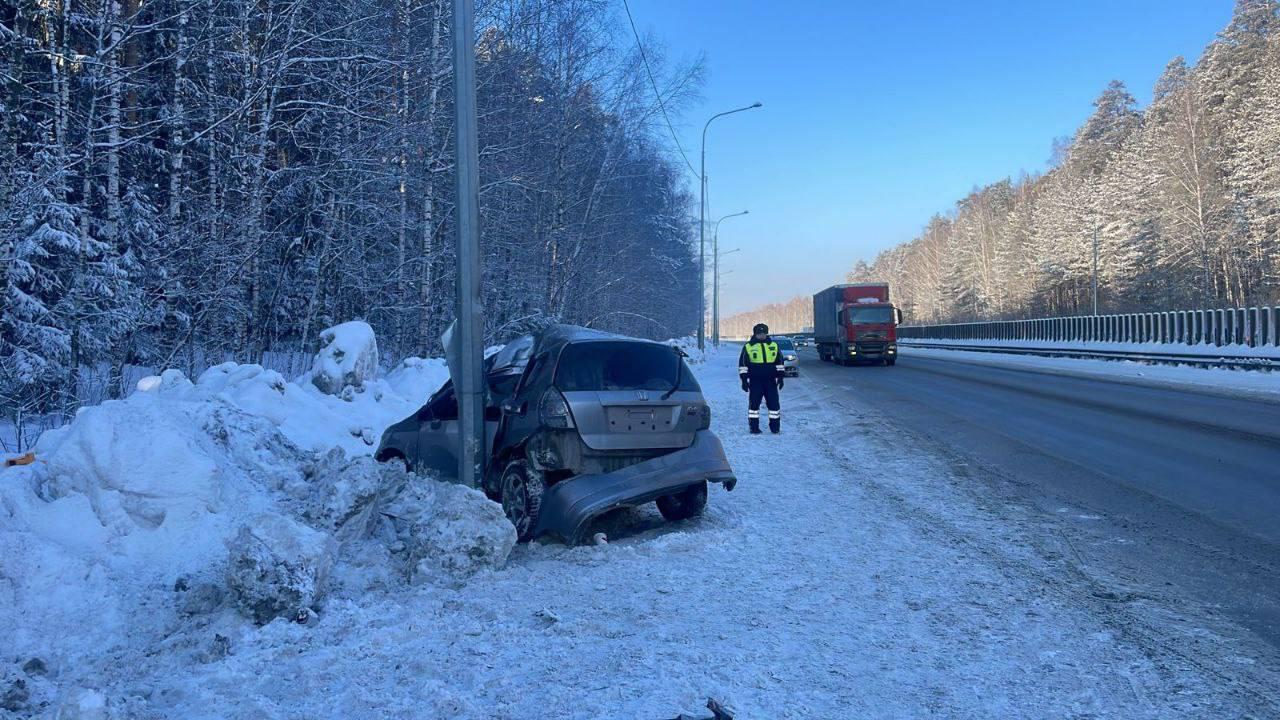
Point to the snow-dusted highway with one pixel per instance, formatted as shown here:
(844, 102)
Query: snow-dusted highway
(1158, 491)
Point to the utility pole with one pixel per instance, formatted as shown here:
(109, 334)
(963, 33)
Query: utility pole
(469, 385)
(702, 227)
(1095, 270)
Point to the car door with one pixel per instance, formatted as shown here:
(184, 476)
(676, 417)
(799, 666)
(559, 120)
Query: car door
(439, 427)
(438, 433)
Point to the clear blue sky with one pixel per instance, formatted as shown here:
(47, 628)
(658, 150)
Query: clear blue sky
(880, 114)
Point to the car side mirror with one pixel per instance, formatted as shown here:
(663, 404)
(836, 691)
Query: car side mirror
(435, 423)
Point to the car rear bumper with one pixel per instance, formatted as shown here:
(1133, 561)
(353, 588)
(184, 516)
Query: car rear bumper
(569, 506)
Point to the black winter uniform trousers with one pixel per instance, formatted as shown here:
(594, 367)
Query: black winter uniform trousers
(762, 388)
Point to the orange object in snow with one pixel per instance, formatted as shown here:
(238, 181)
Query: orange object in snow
(20, 460)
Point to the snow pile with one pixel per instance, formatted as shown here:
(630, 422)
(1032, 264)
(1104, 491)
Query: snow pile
(279, 568)
(343, 496)
(1233, 350)
(316, 421)
(446, 533)
(153, 530)
(689, 346)
(348, 357)
(1219, 380)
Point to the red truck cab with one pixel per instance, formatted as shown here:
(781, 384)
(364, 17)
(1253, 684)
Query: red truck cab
(856, 323)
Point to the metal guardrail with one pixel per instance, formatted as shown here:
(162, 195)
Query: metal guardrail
(1252, 327)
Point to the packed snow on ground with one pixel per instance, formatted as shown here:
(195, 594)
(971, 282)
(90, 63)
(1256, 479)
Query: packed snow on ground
(846, 576)
(1262, 382)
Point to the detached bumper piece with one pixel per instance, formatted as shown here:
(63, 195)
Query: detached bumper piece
(569, 506)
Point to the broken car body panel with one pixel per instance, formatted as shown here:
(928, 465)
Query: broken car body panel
(569, 507)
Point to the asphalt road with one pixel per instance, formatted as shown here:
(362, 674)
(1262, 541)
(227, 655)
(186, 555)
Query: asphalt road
(1165, 495)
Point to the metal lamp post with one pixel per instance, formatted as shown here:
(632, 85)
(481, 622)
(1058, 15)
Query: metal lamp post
(702, 227)
(715, 278)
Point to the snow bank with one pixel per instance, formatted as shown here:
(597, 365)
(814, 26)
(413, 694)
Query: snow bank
(1170, 348)
(316, 421)
(348, 357)
(1218, 380)
(279, 567)
(343, 496)
(150, 526)
(446, 533)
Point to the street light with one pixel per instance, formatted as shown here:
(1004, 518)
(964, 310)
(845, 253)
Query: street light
(715, 277)
(702, 227)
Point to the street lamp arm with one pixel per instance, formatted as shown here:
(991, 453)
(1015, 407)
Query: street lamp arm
(726, 217)
(752, 106)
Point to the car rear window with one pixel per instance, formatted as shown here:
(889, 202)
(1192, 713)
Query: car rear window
(785, 344)
(622, 366)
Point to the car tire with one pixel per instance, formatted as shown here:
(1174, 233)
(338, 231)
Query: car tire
(522, 491)
(892, 361)
(397, 458)
(688, 503)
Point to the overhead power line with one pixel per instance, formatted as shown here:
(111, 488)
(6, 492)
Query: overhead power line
(654, 83)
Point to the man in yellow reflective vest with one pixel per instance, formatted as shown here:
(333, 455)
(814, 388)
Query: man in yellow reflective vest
(761, 369)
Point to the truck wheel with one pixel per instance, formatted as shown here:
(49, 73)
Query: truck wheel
(685, 504)
(522, 490)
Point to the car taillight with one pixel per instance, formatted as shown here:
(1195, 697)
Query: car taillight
(554, 410)
(706, 418)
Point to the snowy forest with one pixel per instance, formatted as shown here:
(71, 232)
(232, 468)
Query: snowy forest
(1184, 197)
(184, 182)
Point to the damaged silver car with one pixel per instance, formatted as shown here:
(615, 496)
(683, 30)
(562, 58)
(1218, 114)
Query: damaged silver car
(578, 422)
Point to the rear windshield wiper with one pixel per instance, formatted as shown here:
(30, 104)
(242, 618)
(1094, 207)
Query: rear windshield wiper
(679, 370)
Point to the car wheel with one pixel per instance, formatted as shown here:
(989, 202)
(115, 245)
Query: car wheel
(522, 490)
(893, 361)
(395, 458)
(689, 502)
